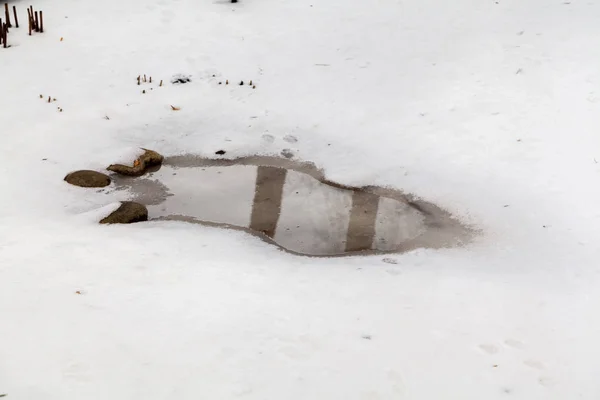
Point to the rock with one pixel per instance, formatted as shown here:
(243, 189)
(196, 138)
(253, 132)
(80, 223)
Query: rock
(220, 152)
(128, 213)
(149, 159)
(86, 178)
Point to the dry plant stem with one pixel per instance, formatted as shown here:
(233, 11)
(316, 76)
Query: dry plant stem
(41, 22)
(16, 19)
(7, 14)
(30, 20)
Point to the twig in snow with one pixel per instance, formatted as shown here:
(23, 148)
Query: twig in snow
(29, 18)
(41, 22)
(7, 14)
(5, 34)
(175, 108)
(37, 22)
(15, 13)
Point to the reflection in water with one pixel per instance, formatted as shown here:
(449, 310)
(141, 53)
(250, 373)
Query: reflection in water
(292, 205)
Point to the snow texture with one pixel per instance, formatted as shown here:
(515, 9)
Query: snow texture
(489, 109)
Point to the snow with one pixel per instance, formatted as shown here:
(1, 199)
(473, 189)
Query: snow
(488, 109)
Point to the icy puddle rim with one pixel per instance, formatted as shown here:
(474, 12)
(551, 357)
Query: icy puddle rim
(441, 229)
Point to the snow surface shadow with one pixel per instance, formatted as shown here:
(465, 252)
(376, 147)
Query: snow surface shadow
(292, 205)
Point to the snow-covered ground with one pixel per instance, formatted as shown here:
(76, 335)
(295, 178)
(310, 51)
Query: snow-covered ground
(490, 109)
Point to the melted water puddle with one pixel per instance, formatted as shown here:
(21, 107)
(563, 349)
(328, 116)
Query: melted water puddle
(291, 205)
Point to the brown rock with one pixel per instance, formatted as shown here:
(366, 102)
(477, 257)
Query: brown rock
(128, 213)
(149, 159)
(86, 178)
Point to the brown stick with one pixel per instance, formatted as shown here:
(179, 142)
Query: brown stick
(8, 24)
(29, 19)
(5, 32)
(15, 13)
(41, 22)
(2, 33)
(37, 22)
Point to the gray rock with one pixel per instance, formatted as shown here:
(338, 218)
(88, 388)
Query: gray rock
(86, 178)
(128, 213)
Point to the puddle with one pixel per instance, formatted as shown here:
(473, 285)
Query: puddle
(292, 205)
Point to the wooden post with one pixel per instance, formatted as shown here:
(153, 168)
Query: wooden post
(1, 32)
(41, 22)
(29, 19)
(37, 22)
(15, 13)
(8, 24)
(5, 32)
